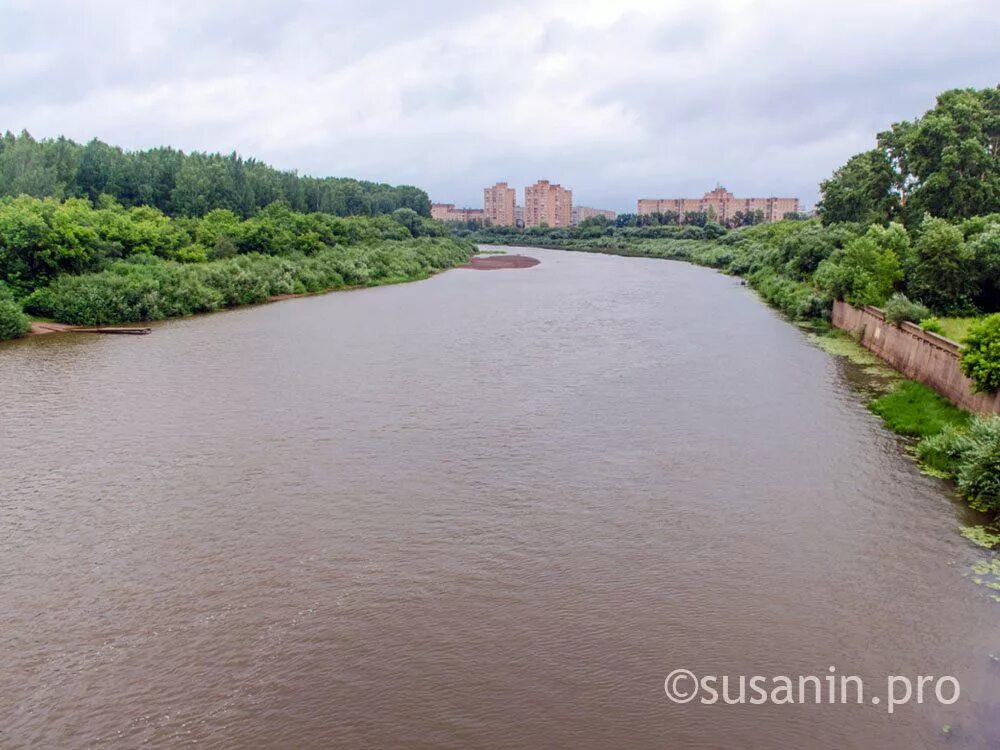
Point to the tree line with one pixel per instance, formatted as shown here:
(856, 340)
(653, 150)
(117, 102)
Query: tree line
(185, 184)
(691, 218)
(945, 163)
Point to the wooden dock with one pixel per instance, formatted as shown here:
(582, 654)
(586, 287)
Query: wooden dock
(120, 331)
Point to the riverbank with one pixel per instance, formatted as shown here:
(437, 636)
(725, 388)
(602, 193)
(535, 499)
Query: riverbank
(488, 262)
(931, 428)
(150, 289)
(125, 265)
(45, 327)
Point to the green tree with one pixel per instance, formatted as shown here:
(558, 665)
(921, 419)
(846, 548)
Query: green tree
(409, 219)
(983, 240)
(203, 184)
(13, 322)
(24, 236)
(99, 165)
(861, 191)
(868, 268)
(24, 170)
(981, 354)
(941, 270)
(953, 154)
(946, 163)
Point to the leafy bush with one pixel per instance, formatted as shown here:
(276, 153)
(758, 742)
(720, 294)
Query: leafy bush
(712, 230)
(941, 270)
(797, 300)
(979, 468)
(804, 249)
(943, 451)
(981, 355)
(933, 325)
(125, 293)
(41, 240)
(148, 288)
(13, 322)
(970, 455)
(866, 269)
(900, 308)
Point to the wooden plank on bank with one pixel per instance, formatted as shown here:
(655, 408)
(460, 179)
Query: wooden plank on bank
(123, 331)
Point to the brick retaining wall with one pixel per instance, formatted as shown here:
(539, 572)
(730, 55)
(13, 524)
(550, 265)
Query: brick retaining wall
(920, 355)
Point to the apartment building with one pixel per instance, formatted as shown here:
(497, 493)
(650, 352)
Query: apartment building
(582, 213)
(722, 204)
(448, 212)
(549, 204)
(499, 205)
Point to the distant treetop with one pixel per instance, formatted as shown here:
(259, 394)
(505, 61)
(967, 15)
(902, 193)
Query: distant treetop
(946, 164)
(182, 184)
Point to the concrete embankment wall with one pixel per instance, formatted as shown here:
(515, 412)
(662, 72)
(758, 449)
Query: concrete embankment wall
(920, 355)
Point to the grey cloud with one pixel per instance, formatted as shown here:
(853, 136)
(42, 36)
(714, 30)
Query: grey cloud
(617, 101)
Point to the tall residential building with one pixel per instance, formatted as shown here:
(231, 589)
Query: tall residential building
(498, 205)
(448, 212)
(722, 204)
(582, 213)
(545, 203)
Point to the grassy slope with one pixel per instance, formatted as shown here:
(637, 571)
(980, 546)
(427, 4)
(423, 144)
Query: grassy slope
(915, 410)
(955, 328)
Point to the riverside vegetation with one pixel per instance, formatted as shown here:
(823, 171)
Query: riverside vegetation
(91, 234)
(76, 263)
(912, 225)
(85, 265)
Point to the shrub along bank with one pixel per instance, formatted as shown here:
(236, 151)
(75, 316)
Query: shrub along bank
(951, 443)
(13, 321)
(86, 264)
(150, 288)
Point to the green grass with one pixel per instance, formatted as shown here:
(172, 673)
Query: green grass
(955, 328)
(916, 410)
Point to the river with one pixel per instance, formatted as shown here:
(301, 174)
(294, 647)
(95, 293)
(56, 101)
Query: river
(490, 509)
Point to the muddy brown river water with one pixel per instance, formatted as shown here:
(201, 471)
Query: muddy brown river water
(484, 510)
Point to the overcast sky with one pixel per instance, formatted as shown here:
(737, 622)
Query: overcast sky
(617, 99)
